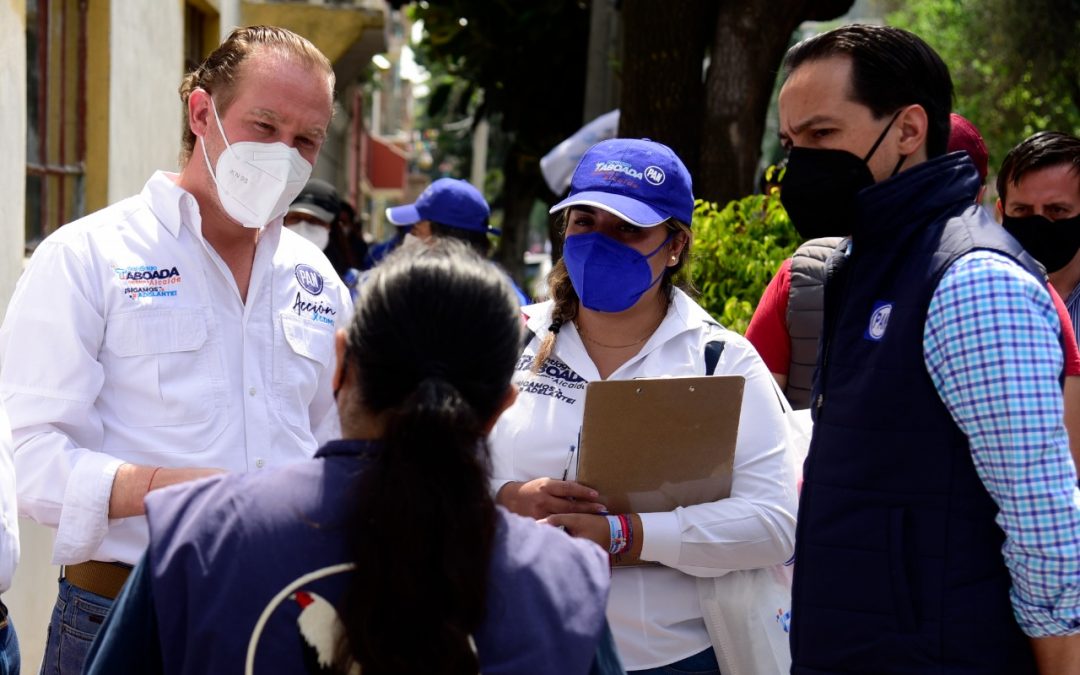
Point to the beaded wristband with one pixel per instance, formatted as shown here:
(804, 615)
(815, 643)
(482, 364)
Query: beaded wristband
(618, 536)
(628, 528)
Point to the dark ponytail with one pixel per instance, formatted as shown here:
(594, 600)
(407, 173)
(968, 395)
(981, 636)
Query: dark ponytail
(433, 346)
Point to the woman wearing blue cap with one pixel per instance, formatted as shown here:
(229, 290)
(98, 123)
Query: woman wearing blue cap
(615, 313)
(453, 208)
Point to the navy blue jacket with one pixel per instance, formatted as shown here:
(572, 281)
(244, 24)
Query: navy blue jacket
(253, 566)
(899, 566)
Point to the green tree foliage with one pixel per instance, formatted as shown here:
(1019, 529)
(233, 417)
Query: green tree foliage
(737, 250)
(1014, 63)
(522, 66)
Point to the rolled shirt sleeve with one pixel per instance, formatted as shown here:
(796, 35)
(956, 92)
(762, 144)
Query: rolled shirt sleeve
(49, 381)
(992, 350)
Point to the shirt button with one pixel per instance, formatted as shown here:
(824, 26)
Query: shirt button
(259, 463)
(251, 391)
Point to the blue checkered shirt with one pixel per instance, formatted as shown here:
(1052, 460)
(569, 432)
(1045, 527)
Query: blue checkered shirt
(991, 345)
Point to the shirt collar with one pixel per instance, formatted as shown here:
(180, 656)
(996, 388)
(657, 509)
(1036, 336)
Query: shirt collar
(171, 204)
(175, 207)
(349, 447)
(683, 315)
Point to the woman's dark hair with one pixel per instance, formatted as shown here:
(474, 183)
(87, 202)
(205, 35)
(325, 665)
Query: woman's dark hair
(431, 349)
(480, 241)
(1039, 151)
(890, 68)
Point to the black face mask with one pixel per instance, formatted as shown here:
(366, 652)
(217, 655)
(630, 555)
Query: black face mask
(819, 187)
(1052, 242)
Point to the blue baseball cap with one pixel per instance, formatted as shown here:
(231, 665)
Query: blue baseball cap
(448, 201)
(641, 181)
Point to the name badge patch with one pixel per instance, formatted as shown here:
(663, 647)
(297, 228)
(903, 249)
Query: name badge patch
(149, 281)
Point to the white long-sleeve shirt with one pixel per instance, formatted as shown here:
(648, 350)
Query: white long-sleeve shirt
(655, 612)
(127, 341)
(9, 516)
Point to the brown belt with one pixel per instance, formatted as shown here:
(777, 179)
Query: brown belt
(100, 578)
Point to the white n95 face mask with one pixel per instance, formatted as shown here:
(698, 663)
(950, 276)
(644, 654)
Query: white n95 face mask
(316, 234)
(256, 182)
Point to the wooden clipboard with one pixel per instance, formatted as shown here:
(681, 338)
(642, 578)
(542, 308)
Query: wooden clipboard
(654, 444)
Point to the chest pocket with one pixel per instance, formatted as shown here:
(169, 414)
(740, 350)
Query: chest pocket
(302, 353)
(158, 368)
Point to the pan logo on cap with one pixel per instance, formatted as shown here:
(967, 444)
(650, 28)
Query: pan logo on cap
(655, 175)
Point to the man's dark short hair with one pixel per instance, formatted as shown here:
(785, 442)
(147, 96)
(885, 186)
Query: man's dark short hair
(1039, 151)
(891, 68)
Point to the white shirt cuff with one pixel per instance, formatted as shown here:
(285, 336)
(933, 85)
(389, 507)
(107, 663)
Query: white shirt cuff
(497, 484)
(84, 517)
(661, 538)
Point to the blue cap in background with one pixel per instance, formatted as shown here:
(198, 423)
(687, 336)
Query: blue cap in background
(448, 201)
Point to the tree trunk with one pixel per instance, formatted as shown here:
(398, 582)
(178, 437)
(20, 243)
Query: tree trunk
(662, 92)
(750, 41)
(601, 83)
(522, 183)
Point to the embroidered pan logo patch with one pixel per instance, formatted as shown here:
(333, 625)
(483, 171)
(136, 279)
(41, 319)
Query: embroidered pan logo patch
(310, 279)
(879, 321)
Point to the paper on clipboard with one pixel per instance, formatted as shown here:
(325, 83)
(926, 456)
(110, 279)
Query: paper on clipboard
(653, 444)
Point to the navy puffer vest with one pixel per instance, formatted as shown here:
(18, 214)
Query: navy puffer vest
(898, 559)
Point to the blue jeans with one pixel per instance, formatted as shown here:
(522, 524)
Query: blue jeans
(702, 663)
(76, 619)
(9, 647)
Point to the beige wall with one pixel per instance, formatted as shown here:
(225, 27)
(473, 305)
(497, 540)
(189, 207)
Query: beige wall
(12, 143)
(145, 67)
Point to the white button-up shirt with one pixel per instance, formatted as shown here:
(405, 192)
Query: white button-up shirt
(127, 341)
(655, 612)
(9, 516)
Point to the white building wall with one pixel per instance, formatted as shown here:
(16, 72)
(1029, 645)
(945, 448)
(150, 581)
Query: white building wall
(229, 15)
(146, 65)
(12, 144)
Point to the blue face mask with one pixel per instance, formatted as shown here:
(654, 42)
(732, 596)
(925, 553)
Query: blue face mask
(608, 276)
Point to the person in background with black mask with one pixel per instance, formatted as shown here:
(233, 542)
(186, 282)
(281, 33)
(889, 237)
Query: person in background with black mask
(939, 520)
(1039, 204)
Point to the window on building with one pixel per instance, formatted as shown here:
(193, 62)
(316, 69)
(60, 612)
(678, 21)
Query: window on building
(201, 23)
(55, 115)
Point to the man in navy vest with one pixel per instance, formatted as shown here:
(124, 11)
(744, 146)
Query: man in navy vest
(939, 521)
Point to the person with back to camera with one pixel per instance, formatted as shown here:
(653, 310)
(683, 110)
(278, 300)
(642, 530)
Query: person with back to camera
(616, 314)
(177, 333)
(386, 552)
(450, 207)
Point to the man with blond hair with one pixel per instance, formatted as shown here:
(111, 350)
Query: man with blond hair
(178, 333)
